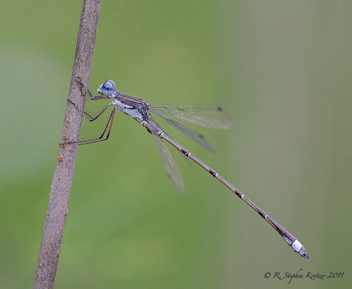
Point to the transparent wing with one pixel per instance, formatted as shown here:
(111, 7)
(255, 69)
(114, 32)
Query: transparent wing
(192, 134)
(214, 117)
(172, 169)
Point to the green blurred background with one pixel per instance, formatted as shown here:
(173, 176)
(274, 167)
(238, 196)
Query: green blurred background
(282, 68)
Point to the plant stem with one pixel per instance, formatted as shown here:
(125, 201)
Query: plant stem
(65, 164)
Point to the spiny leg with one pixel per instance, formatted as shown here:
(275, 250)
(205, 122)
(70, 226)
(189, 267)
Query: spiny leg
(104, 135)
(86, 114)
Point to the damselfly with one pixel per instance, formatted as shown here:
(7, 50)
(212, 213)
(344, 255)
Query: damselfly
(213, 117)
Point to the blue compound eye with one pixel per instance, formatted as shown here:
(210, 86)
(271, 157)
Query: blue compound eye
(107, 88)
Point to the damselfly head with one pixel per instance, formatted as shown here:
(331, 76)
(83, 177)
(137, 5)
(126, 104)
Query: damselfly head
(107, 88)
